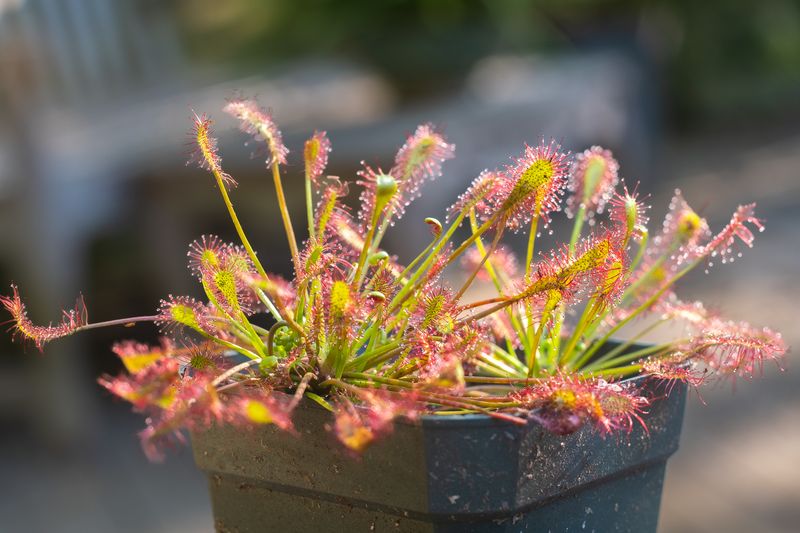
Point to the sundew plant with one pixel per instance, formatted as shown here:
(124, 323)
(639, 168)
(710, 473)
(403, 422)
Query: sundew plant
(372, 340)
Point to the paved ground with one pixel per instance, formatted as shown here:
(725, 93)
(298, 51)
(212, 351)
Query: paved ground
(738, 469)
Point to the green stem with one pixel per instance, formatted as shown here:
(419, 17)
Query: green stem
(471, 239)
(533, 359)
(241, 322)
(374, 320)
(530, 335)
(590, 319)
(531, 243)
(264, 299)
(310, 207)
(592, 326)
(231, 346)
(287, 221)
(373, 339)
(365, 249)
(639, 253)
(577, 227)
(232, 371)
(118, 322)
(589, 312)
(376, 360)
(494, 359)
(494, 275)
(493, 369)
(605, 363)
(258, 329)
(442, 399)
(387, 219)
(523, 382)
(643, 307)
(485, 257)
(250, 252)
(378, 379)
(646, 276)
(510, 358)
(366, 359)
(417, 259)
(410, 286)
(555, 336)
(258, 344)
(625, 345)
(481, 303)
(617, 372)
(271, 336)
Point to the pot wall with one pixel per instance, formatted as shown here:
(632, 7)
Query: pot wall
(467, 473)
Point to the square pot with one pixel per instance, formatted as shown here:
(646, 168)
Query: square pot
(461, 473)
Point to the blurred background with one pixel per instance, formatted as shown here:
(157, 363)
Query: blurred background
(95, 100)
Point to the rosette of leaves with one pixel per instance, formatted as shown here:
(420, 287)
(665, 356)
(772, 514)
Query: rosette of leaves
(373, 340)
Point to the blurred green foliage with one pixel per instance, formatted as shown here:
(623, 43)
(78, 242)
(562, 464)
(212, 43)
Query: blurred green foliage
(420, 45)
(736, 57)
(720, 58)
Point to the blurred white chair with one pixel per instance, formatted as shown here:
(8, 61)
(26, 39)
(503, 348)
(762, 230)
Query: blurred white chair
(81, 56)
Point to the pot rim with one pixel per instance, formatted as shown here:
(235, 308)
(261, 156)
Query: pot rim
(474, 419)
(445, 421)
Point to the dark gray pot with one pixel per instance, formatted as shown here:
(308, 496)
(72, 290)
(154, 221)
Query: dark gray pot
(467, 473)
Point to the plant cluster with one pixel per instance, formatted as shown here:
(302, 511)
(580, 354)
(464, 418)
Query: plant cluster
(371, 339)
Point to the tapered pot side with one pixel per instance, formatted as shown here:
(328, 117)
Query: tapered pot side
(460, 473)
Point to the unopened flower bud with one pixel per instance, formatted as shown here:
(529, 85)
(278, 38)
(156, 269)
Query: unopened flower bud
(377, 257)
(435, 225)
(377, 295)
(385, 189)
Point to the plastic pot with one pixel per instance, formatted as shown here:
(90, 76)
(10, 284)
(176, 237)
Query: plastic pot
(465, 473)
